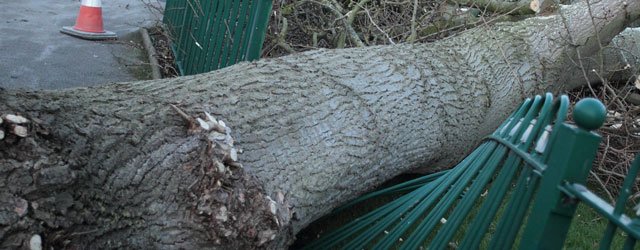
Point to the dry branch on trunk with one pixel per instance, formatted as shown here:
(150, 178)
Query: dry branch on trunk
(117, 166)
(519, 7)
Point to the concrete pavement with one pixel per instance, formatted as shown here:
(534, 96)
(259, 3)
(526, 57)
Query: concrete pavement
(35, 55)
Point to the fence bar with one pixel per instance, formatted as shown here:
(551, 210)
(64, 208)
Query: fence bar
(257, 28)
(602, 207)
(625, 192)
(629, 243)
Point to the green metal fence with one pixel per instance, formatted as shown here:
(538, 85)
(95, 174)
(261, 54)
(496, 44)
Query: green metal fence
(518, 188)
(208, 34)
(615, 214)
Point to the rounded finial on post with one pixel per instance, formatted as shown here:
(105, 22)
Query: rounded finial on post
(589, 113)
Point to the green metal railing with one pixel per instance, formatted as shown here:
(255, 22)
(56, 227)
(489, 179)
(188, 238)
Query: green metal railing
(615, 214)
(209, 35)
(519, 187)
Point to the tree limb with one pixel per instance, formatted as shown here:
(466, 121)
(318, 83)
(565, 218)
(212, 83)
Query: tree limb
(520, 7)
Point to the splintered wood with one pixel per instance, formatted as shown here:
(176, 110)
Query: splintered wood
(13, 125)
(217, 132)
(220, 136)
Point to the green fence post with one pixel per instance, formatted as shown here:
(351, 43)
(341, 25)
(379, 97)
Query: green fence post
(258, 28)
(571, 158)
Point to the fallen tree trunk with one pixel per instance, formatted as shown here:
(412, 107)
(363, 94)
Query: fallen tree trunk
(119, 166)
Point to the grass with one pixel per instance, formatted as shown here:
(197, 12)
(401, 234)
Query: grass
(587, 229)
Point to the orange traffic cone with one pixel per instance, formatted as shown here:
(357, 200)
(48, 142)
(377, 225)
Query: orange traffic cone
(89, 23)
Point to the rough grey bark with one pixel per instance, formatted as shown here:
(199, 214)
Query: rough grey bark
(115, 166)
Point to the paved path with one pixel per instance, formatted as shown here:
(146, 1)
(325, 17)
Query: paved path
(35, 55)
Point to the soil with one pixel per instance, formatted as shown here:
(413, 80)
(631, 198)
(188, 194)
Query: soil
(164, 53)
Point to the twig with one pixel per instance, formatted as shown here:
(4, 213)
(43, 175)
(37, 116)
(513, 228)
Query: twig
(190, 121)
(280, 40)
(578, 54)
(414, 33)
(378, 27)
(604, 187)
(337, 10)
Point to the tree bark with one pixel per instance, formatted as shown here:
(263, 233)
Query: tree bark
(116, 166)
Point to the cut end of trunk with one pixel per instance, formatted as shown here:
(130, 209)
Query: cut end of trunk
(13, 124)
(20, 131)
(542, 6)
(35, 243)
(535, 6)
(16, 119)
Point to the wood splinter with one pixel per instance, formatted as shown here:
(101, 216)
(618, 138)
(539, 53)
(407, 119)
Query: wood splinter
(214, 124)
(231, 157)
(234, 164)
(191, 123)
(218, 128)
(204, 125)
(182, 114)
(209, 125)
